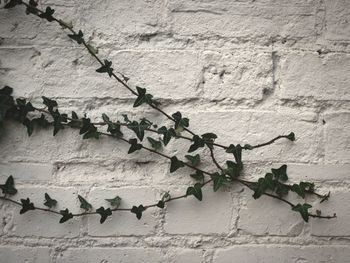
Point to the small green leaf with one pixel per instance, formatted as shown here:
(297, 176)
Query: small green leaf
(196, 191)
(179, 121)
(209, 136)
(66, 215)
(195, 160)
(88, 129)
(48, 14)
(303, 210)
(49, 103)
(138, 211)
(26, 206)
(175, 164)
(291, 136)
(9, 186)
(104, 213)
(199, 176)
(236, 151)
(248, 147)
(167, 134)
(49, 202)
(134, 146)
(84, 204)
(233, 169)
(139, 128)
(198, 142)
(31, 7)
(77, 37)
(154, 143)
(114, 201)
(113, 128)
(280, 173)
(161, 204)
(281, 190)
(219, 180)
(143, 97)
(12, 3)
(106, 68)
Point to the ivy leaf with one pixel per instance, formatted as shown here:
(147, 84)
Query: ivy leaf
(26, 206)
(9, 186)
(88, 129)
(291, 136)
(84, 204)
(104, 213)
(106, 68)
(138, 211)
(77, 37)
(154, 143)
(281, 190)
(209, 136)
(6, 101)
(270, 182)
(126, 119)
(233, 169)
(259, 188)
(175, 164)
(179, 121)
(302, 188)
(161, 204)
(143, 97)
(113, 128)
(66, 215)
(280, 173)
(30, 126)
(135, 146)
(12, 4)
(303, 210)
(195, 160)
(198, 175)
(57, 121)
(167, 134)
(48, 14)
(138, 128)
(219, 180)
(196, 191)
(198, 142)
(49, 103)
(236, 151)
(49, 202)
(31, 8)
(248, 147)
(114, 201)
(41, 121)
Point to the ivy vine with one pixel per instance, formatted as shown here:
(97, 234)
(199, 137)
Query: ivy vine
(274, 184)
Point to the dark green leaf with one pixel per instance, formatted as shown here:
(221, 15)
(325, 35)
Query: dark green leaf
(302, 188)
(233, 169)
(179, 121)
(175, 164)
(12, 3)
(114, 201)
(154, 143)
(198, 142)
(209, 136)
(167, 134)
(113, 128)
(219, 180)
(143, 97)
(66, 215)
(236, 151)
(26, 206)
(88, 129)
(196, 191)
(104, 213)
(161, 204)
(49, 202)
(48, 14)
(139, 128)
(248, 147)
(9, 186)
(134, 146)
(106, 68)
(49, 103)
(195, 160)
(280, 173)
(259, 188)
(6, 102)
(281, 190)
(198, 175)
(77, 37)
(303, 210)
(31, 8)
(138, 211)
(291, 136)
(84, 204)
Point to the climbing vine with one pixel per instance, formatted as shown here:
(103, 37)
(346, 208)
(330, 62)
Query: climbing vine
(48, 116)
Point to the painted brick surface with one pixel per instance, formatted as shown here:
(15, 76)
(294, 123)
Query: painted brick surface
(246, 70)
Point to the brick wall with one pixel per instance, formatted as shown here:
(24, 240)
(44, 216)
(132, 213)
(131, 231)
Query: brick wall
(248, 70)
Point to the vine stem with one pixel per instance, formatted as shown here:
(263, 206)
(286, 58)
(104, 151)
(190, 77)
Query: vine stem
(125, 85)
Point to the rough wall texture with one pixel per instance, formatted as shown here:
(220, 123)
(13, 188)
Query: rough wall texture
(247, 69)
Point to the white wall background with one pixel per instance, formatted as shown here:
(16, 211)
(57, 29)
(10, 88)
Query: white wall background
(247, 70)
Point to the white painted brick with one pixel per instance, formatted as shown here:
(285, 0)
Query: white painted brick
(19, 254)
(213, 215)
(337, 142)
(283, 254)
(268, 217)
(318, 172)
(337, 203)
(22, 172)
(310, 75)
(109, 255)
(123, 222)
(238, 74)
(337, 20)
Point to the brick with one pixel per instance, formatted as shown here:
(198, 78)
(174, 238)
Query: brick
(337, 15)
(23, 172)
(20, 254)
(213, 215)
(238, 74)
(283, 254)
(122, 222)
(233, 19)
(308, 75)
(337, 203)
(268, 217)
(123, 255)
(43, 224)
(337, 144)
